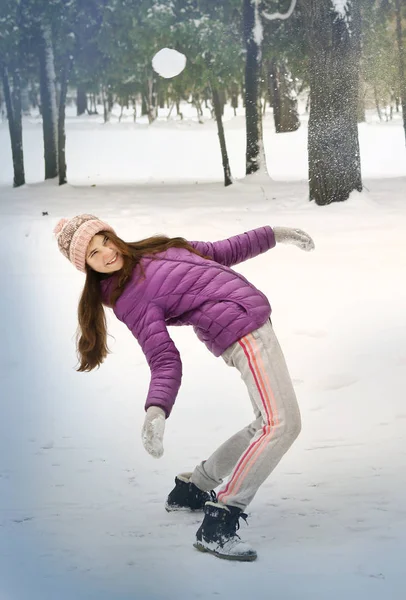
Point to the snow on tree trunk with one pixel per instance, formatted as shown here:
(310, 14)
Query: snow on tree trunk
(48, 102)
(283, 16)
(255, 157)
(106, 111)
(13, 105)
(283, 98)
(217, 105)
(334, 155)
(402, 60)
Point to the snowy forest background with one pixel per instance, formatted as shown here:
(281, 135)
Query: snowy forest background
(340, 57)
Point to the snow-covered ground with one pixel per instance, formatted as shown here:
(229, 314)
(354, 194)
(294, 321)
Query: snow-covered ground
(187, 151)
(81, 503)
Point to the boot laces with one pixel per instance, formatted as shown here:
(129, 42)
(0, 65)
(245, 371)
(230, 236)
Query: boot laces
(198, 494)
(235, 522)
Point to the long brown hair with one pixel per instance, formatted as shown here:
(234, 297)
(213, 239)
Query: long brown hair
(91, 336)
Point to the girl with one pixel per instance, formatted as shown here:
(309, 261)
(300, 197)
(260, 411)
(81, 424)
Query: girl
(163, 281)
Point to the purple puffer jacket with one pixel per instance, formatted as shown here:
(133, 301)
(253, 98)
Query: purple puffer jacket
(181, 288)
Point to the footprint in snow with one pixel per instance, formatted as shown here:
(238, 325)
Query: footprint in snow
(48, 446)
(335, 381)
(23, 520)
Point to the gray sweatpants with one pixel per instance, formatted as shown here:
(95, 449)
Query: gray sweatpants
(250, 455)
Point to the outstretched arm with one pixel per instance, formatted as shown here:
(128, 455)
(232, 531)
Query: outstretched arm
(247, 245)
(238, 248)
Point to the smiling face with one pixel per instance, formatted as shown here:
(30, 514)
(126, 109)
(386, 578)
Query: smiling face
(102, 255)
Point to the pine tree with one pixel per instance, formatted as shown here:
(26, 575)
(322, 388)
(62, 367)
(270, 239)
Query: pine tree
(380, 72)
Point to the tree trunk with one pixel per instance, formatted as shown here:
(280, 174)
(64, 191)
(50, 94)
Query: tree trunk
(376, 98)
(274, 94)
(105, 101)
(196, 102)
(269, 83)
(134, 103)
(144, 106)
(255, 159)
(48, 103)
(402, 65)
(334, 155)
(13, 105)
(25, 100)
(361, 103)
(170, 110)
(61, 121)
(81, 100)
(289, 110)
(220, 130)
(33, 96)
(234, 97)
(2, 100)
(223, 100)
(93, 105)
(150, 100)
(283, 99)
(110, 100)
(178, 111)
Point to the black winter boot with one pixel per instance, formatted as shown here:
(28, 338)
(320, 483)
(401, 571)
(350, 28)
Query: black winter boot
(186, 496)
(218, 533)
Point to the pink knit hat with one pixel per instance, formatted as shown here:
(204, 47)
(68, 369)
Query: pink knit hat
(73, 237)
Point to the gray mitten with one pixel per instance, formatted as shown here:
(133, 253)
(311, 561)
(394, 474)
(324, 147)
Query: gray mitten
(153, 431)
(297, 237)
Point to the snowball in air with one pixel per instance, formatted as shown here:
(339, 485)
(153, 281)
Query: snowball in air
(168, 62)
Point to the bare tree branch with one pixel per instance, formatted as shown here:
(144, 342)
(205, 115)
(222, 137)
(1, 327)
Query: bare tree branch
(281, 16)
